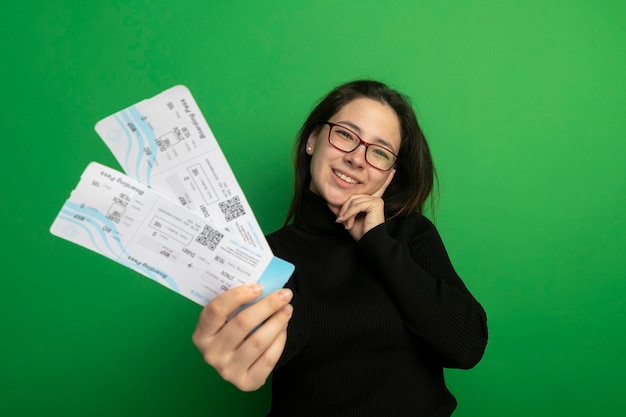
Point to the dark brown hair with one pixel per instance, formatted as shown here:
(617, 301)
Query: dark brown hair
(415, 172)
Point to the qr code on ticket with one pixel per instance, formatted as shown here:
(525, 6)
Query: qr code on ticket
(209, 237)
(232, 208)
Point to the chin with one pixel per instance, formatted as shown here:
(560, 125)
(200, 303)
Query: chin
(336, 199)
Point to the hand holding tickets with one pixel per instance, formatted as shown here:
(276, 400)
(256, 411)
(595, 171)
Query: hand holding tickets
(182, 220)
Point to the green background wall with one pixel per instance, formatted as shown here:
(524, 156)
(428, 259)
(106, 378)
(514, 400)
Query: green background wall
(523, 104)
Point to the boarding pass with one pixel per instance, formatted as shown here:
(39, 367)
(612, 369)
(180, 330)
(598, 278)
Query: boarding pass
(165, 143)
(126, 221)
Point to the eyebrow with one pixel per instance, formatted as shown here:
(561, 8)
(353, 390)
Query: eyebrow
(356, 128)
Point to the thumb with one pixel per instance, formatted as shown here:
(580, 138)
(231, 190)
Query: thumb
(379, 193)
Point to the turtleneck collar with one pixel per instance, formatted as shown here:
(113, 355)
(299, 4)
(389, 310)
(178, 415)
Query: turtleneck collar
(316, 217)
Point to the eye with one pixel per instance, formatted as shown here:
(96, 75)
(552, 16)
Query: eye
(381, 153)
(344, 134)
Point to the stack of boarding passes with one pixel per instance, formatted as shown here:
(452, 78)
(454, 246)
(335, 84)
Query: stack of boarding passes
(177, 214)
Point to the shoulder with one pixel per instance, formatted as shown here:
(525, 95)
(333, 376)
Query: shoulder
(411, 226)
(418, 232)
(414, 231)
(284, 241)
(283, 233)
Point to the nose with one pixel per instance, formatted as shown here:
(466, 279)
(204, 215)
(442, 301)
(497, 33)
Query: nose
(357, 156)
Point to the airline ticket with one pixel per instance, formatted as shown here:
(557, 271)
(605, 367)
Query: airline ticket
(126, 221)
(166, 143)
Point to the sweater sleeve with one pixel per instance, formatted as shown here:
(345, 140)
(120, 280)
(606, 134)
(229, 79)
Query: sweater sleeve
(437, 306)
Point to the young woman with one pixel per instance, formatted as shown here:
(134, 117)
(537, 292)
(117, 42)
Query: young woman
(374, 310)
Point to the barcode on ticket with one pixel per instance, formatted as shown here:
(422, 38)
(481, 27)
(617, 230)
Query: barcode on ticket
(209, 237)
(232, 208)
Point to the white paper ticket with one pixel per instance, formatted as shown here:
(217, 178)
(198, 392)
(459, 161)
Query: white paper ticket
(124, 220)
(165, 143)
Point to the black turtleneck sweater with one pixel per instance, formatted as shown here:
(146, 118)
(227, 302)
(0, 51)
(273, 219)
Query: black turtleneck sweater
(374, 322)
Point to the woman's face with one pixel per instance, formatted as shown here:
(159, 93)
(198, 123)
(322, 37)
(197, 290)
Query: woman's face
(336, 175)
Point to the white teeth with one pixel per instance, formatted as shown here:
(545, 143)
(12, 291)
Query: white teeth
(346, 178)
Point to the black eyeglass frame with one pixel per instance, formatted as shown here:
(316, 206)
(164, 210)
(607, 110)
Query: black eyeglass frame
(331, 125)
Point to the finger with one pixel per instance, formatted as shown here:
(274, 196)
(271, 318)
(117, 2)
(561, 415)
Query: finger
(358, 204)
(379, 193)
(214, 314)
(239, 327)
(350, 204)
(266, 363)
(257, 343)
(249, 365)
(343, 208)
(348, 223)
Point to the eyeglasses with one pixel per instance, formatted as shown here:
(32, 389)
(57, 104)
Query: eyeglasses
(345, 140)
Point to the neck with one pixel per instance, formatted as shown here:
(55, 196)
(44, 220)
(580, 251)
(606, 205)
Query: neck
(315, 216)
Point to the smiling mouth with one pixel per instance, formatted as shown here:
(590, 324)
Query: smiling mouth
(345, 178)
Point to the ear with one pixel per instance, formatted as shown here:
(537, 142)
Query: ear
(310, 142)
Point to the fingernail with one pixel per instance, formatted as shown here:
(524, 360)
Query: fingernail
(256, 288)
(288, 309)
(285, 294)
